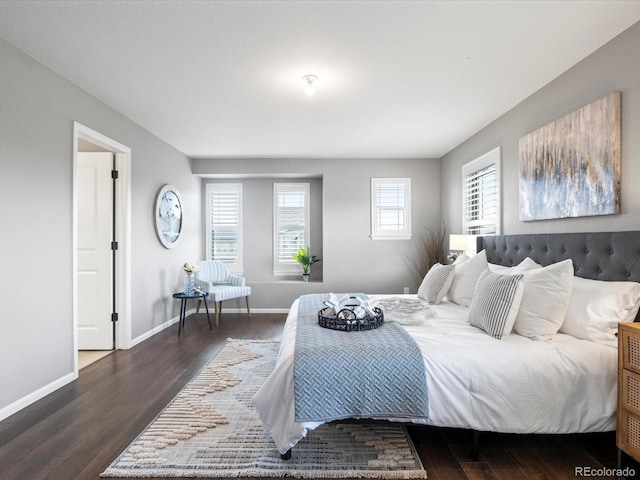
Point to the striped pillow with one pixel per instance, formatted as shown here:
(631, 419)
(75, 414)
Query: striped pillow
(495, 303)
(436, 283)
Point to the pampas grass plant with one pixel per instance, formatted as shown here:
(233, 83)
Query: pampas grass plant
(430, 250)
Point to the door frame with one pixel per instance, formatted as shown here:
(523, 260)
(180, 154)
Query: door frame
(123, 230)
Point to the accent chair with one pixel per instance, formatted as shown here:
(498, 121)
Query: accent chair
(214, 278)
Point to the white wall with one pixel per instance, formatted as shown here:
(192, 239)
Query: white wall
(37, 112)
(351, 261)
(614, 67)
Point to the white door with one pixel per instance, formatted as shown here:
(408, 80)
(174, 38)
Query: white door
(95, 215)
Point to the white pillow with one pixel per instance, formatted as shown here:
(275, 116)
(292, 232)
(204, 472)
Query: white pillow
(524, 266)
(495, 303)
(436, 283)
(501, 269)
(465, 277)
(463, 257)
(596, 308)
(545, 300)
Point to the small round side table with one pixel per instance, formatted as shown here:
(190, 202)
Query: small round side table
(183, 307)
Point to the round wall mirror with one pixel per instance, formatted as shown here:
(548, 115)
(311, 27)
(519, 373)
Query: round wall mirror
(168, 216)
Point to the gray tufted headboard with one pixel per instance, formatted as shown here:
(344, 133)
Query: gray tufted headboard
(610, 256)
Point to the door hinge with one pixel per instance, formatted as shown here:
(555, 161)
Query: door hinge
(114, 245)
(114, 174)
(114, 317)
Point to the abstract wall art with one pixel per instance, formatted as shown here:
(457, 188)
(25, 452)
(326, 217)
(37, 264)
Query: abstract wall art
(571, 167)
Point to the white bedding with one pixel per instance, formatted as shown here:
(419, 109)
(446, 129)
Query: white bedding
(513, 385)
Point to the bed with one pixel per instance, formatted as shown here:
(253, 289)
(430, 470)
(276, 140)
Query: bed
(516, 384)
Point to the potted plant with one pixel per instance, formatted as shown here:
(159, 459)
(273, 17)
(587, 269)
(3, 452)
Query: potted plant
(429, 250)
(305, 259)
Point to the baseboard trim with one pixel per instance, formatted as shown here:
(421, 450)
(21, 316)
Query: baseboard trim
(158, 329)
(253, 310)
(36, 395)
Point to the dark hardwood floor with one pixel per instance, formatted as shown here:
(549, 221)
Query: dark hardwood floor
(77, 431)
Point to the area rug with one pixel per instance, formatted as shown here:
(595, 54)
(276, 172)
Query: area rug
(212, 430)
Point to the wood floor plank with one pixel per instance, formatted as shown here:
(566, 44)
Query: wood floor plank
(494, 454)
(439, 455)
(533, 467)
(426, 463)
(478, 471)
(549, 450)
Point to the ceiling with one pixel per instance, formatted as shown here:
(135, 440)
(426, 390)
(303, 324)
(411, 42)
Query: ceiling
(396, 79)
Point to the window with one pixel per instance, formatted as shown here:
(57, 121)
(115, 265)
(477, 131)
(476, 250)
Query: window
(291, 225)
(481, 195)
(390, 208)
(224, 224)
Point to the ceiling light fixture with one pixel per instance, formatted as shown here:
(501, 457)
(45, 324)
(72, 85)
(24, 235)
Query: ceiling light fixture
(310, 88)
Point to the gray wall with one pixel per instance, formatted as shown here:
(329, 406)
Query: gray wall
(614, 67)
(351, 261)
(38, 108)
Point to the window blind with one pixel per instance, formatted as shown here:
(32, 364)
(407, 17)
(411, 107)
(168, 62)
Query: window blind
(481, 201)
(291, 224)
(224, 208)
(224, 215)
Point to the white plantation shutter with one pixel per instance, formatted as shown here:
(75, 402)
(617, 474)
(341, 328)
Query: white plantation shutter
(481, 195)
(224, 224)
(390, 208)
(291, 224)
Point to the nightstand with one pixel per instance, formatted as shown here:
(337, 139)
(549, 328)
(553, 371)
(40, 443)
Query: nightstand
(628, 428)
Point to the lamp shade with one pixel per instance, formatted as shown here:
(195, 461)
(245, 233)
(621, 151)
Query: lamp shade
(462, 243)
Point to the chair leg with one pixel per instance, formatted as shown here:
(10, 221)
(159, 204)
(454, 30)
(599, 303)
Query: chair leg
(218, 307)
(206, 307)
(198, 307)
(248, 309)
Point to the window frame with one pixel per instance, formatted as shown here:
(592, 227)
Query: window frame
(236, 268)
(378, 233)
(290, 266)
(492, 157)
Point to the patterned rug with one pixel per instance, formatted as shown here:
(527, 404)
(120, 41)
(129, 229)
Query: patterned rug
(212, 430)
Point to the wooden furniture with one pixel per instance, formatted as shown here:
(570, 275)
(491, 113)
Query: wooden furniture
(628, 428)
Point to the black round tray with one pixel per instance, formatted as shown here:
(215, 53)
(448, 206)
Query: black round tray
(346, 320)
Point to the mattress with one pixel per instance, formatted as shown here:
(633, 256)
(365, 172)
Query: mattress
(513, 385)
